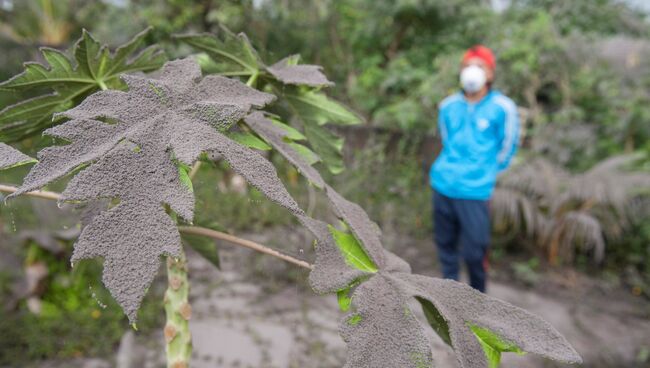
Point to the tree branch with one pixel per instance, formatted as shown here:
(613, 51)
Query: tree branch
(194, 230)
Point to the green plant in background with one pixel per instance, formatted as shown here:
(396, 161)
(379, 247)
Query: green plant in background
(140, 147)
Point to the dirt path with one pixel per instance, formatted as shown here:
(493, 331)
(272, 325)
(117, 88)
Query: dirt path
(239, 324)
(245, 316)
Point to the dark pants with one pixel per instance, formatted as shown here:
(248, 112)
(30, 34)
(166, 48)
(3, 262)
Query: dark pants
(465, 222)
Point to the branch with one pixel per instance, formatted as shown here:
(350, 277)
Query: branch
(194, 230)
(36, 193)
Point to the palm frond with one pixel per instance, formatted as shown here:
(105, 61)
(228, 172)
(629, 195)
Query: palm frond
(516, 211)
(582, 229)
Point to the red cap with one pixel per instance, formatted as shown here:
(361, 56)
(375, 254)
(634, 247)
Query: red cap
(483, 53)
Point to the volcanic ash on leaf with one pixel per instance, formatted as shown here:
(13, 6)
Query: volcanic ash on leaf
(130, 141)
(463, 307)
(382, 331)
(288, 72)
(10, 157)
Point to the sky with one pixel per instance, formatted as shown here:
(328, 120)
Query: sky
(500, 5)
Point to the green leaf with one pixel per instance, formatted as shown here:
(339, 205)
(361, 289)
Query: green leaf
(327, 146)
(352, 251)
(344, 296)
(184, 177)
(309, 155)
(316, 108)
(63, 83)
(248, 140)
(435, 319)
(232, 54)
(292, 133)
(345, 299)
(354, 320)
(493, 345)
(206, 247)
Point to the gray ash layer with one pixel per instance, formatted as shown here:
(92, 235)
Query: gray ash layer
(275, 136)
(304, 74)
(361, 225)
(382, 331)
(460, 305)
(330, 273)
(10, 157)
(130, 140)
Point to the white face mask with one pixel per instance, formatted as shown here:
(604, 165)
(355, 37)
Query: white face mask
(472, 79)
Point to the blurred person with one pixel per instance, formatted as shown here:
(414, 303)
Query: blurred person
(479, 127)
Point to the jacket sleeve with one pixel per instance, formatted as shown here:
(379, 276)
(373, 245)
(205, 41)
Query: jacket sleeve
(508, 134)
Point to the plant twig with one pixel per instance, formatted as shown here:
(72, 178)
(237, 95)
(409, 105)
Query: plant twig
(36, 193)
(194, 230)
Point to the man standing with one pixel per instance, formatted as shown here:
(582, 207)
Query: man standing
(479, 129)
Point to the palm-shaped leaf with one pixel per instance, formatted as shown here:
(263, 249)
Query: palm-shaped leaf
(175, 116)
(471, 316)
(10, 157)
(66, 81)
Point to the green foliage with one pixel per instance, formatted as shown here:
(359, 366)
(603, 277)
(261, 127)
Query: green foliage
(354, 254)
(65, 82)
(493, 345)
(344, 298)
(435, 319)
(301, 99)
(232, 54)
(76, 309)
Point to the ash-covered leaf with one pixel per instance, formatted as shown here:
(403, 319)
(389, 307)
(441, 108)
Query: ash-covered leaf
(276, 136)
(352, 214)
(133, 143)
(288, 71)
(11, 157)
(297, 84)
(362, 227)
(233, 54)
(382, 331)
(331, 272)
(465, 310)
(66, 80)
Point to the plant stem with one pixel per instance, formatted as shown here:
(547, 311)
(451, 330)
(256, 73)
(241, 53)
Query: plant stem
(178, 339)
(252, 79)
(195, 230)
(195, 169)
(36, 193)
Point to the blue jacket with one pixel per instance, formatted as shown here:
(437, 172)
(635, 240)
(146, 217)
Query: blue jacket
(478, 141)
